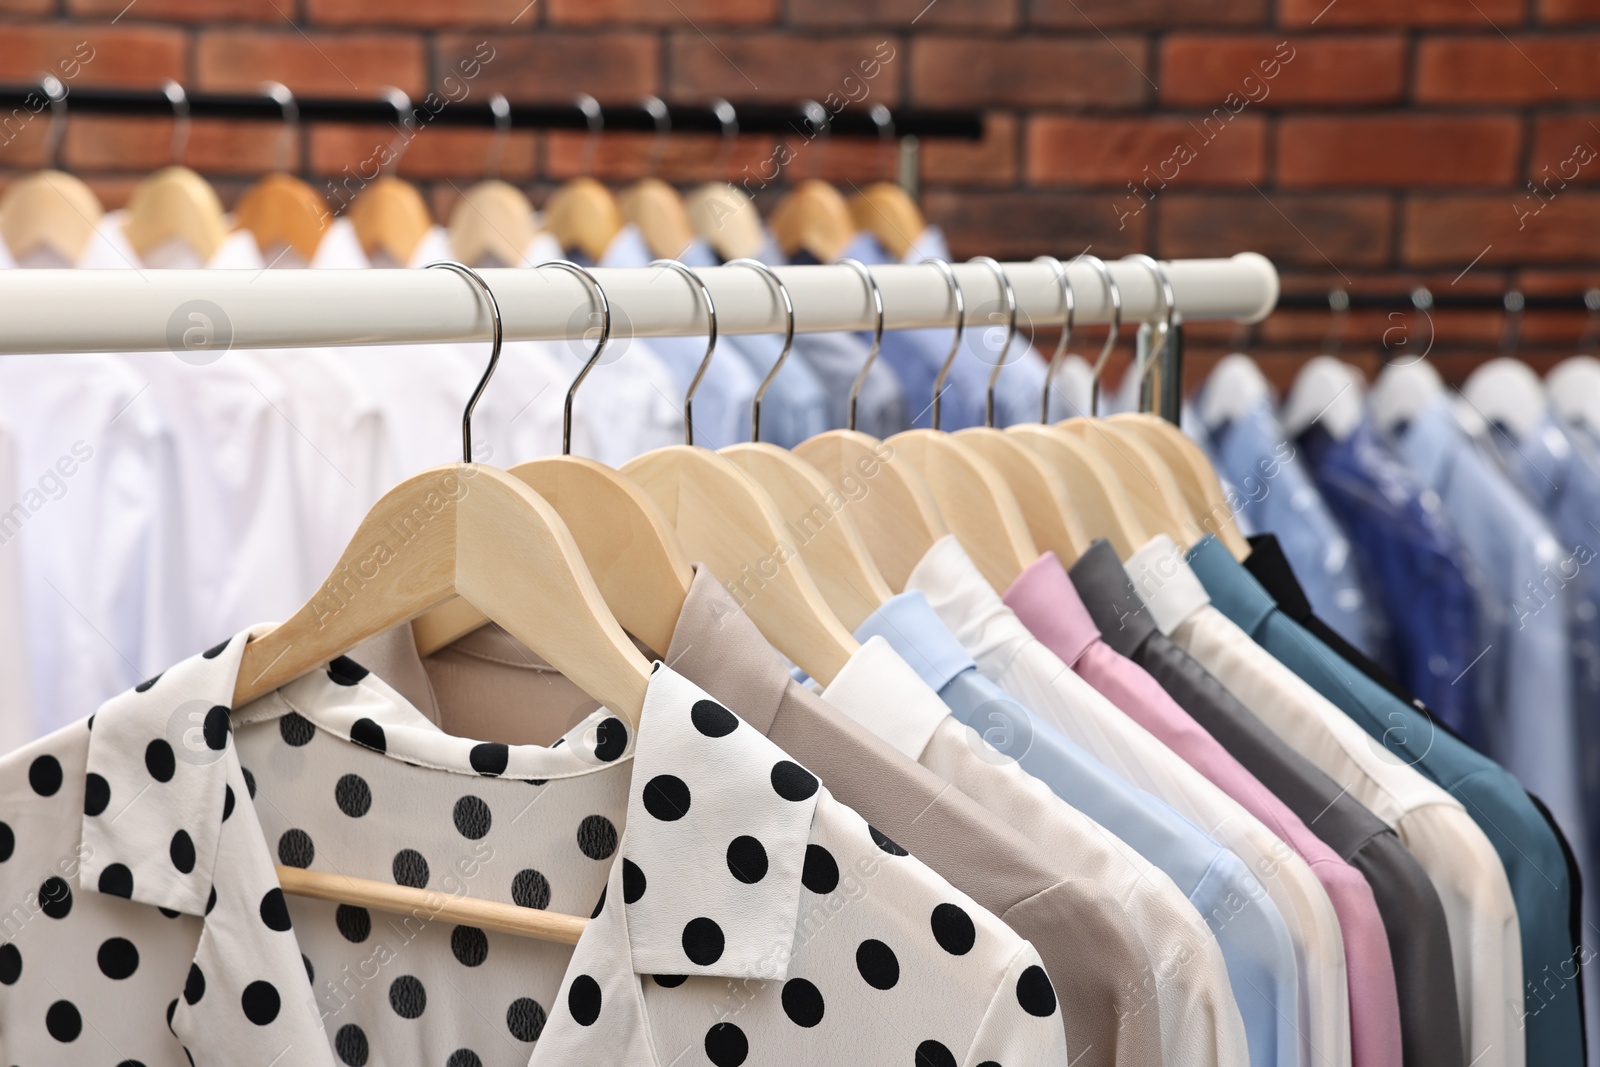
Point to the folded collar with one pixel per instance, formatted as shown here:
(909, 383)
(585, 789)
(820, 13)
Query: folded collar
(1124, 621)
(879, 690)
(914, 630)
(963, 599)
(1232, 589)
(1165, 583)
(1044, 599)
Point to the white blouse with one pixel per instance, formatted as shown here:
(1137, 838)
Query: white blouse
(148, 923)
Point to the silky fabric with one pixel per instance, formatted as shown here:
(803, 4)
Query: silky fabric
(1047, 603)
(1461, 862)
(1413, 919)
(1016, 762)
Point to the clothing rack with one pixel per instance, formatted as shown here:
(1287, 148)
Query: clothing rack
(798, 118)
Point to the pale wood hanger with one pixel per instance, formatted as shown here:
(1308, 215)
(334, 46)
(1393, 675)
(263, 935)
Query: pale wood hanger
(727, 520)
(815, 219)
(638, 563)
(390, 216)
(280, 209)
(583, 215)
(652, 205)
(175, 202)
(820, 516)
(722, 214)
(49, 209)
(493, 220)
(475, 532)
(887, 212)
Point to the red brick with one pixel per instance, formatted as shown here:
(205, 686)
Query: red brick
(1327, 14)
(1522, 70)
(1068, 150)
(903, 14)
(1454, 229)
(425, 13)
(659, 13)
(435, 152)
(1030, 72)
(1397, 150)
(836, 71)
(27, 7)
(99, 55)
(1565, 11)
(1560, 145)
(191, 11)
(1347, 233)
(559, 65)
(687, 157)
(991, 161)
(1281, 70)
(99, 143)
(319, 64)
(1094, 15)
(1020, 225)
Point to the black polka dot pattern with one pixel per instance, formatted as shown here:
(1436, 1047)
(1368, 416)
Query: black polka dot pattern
(227, 802)
(821, 871)
(1035, 993)
(118, 958)
(666, 796)
(877, 964)
(346, 671)
(583, 1000)
(8, 841)
(354, 923)
(353, 795)
(274, 911)
(350, 1045)
(525, 1019)
(10, 964)
(953, 929)
(407, 997)
(469, 945)
(530, 889)
(260, 1002)
(747, 859)
(63, 1021)
(933, 1054)
(611, 740)
(55, 897)
(802, 1002)
(597, 837)
(370, 734)
(295, 849)
(194, 987)
(472, 818)
(712, 719)
(489, 759)
(463, 1057)
(703, 941)
(296, 729)
(181, 850)
(793, 782)
(217, 727)
(410, 868)
(44, 775)
(726, 1045)
(882, 840)
(633, 882)
(96, 794)
(669, 981)
(116, 880)
(159, 760)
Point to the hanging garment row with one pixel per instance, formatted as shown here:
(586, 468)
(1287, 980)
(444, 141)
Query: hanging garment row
(976, 766)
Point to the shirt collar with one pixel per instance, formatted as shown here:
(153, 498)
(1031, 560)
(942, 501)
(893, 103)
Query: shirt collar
(1165, 583)
(1269, 566)
(965, 602)
(879, 690)
(1231, 588)
(1044, 599)
(1124, 621)
(914, 630)
(1429, 444)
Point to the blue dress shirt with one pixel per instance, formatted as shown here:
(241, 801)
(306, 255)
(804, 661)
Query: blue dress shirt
(1535, 865)
(1422, 573)
(1279, 497)
(1249, 928)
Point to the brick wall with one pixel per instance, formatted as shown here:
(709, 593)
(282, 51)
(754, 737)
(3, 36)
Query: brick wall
(1370, 144)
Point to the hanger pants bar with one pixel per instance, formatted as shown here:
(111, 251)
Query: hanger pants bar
(49, 311)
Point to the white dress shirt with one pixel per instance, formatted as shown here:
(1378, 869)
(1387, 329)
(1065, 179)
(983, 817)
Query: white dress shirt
(1007, 652)
(1200, 1022)
(1485, 936)
(16, 694)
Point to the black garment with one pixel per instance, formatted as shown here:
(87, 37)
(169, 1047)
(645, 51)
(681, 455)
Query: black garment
(1413, 918)
(1270, 567)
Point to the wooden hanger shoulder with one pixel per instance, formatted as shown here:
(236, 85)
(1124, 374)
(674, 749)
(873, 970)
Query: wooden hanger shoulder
(726, 219)
(282, 210)
(890, 214)
(727, 521)
(493, 221)
(982, 511)
(49, 209)
(1097, 492)
(659, 212)
(631, 551)
(824, 529)
(390, 216)
(893, 508)
(175, 202)
(1194, 474)
(1040, 490)
(456, 530)
(584, 217)
(1150, 485)
(813, 218)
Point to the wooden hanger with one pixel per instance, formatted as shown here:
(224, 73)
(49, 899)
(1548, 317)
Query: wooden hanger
(889, 214)
(476, 532)
(493, 220)
(727, 520)
(638, 563)
(280, 209)
(175, 202)
(49, 209)
(390, 216)
(1149, 483)
(726, 219)
(652, 205)
(814, 219)
(1197, 479)
(582, 215)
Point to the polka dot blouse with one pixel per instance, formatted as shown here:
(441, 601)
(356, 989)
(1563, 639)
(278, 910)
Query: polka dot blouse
(739, 915)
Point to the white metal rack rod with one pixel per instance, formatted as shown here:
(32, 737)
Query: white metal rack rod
(45, 311)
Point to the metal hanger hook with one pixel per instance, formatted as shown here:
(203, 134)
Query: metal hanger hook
(1069, 301)
(822, 125)
(56, 93)
(1511, 335)
(1114, 294)
(729, 120)
(1169, 310)
(594, 357)
(877, 329)
(498, 335)
(1010, 295)
(180, 114)
(788, 336)
(1339, 316)
(711, 342)
(960, 302)
(279, 94)
(596, 121)
(500, 108)
(659, 114)
(401, 103)
(883, 119)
